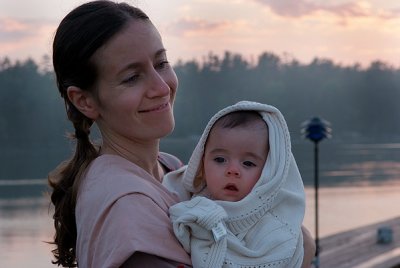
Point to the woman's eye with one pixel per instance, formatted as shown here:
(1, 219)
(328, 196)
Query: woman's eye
(131, 79)
(249, 164)
(219, 159)
(162, 65)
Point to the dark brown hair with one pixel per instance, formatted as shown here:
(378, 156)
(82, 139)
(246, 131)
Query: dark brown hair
(80, 34)
(238, 118)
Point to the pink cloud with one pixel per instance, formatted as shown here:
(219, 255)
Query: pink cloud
(299, 8)
(13, 30)
(25, 38)
(187, 26)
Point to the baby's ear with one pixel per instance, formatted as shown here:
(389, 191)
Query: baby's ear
(198, 179)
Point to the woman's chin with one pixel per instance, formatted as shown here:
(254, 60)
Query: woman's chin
(164, 129)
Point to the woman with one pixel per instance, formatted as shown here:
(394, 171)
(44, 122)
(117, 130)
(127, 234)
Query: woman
(112, 69)
(111, 209)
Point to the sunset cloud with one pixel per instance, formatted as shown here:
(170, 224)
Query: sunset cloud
(24, 37)
(13, 30)
(190, 26)
(300, 8)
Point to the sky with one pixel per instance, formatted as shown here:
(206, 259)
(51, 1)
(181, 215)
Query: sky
(347, 32)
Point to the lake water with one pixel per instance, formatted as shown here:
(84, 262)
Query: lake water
(359, 185)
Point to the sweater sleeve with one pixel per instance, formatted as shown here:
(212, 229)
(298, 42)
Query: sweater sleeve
(199, 226)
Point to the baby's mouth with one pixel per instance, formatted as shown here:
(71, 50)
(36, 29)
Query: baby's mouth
(231, 187)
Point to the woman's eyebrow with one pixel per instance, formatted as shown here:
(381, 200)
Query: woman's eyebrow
(160, 52)
(133, 65)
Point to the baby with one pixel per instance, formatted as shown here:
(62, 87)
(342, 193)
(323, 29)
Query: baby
(246, 194)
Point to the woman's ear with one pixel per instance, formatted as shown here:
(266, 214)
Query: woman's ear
(83, 101)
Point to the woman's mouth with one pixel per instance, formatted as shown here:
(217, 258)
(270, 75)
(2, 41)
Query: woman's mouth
(155, 108)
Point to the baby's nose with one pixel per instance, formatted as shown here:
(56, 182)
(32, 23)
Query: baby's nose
(233, 172)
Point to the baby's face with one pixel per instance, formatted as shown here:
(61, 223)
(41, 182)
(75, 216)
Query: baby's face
(233, 160)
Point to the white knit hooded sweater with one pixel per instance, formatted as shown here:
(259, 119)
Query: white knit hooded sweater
(264, 228)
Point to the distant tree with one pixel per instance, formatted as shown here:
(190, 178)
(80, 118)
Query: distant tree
(378, 96)
(32, 122)
(361, 103)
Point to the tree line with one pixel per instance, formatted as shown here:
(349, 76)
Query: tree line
(361, 103)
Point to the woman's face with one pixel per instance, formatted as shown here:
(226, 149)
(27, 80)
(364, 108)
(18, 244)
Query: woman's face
(136, 85)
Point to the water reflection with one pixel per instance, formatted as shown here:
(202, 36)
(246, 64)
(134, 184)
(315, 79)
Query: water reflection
(350, 164)
(345, 208)
(366, 173)
(25, 225)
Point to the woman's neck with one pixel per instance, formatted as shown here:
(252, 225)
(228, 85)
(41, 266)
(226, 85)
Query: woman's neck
(143, 154)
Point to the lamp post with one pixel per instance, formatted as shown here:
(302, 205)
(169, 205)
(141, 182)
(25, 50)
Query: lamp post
(316, 129)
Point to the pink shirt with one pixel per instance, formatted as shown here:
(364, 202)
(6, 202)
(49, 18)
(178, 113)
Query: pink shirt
(122, 209)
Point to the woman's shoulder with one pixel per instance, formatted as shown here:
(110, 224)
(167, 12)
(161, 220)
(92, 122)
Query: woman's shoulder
(114, 176)
(113, 167)
(169, 161)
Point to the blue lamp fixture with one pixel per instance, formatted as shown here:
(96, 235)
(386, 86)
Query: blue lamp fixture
(316, 129)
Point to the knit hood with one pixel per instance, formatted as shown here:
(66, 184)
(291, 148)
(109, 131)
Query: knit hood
(280, 178)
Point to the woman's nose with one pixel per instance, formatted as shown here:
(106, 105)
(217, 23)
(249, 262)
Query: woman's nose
(158, 86)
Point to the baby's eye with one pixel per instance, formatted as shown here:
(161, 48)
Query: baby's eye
(219, 159)
(249, 164)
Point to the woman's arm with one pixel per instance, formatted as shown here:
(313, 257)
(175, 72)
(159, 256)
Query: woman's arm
(309, 248)
(140, 259)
